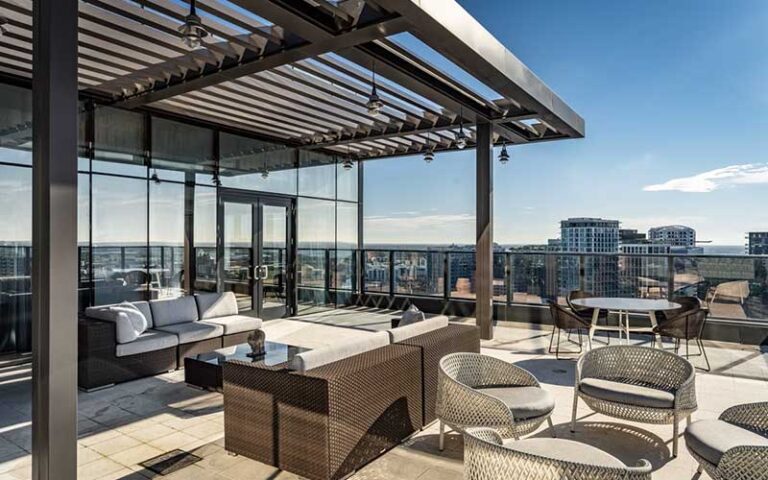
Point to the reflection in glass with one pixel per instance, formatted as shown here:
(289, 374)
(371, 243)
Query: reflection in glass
(166, 239)
(419, 273)
(119, 227)
(250, 164)
(317, 174)
(316, 237)
(205, 239)
(119, 142)
(377, 271)
(346, 181)
(346, 243)
(461, 278)
(274, 259)
(16, 125)
(84, 240)
(179, 147)
(238, 252)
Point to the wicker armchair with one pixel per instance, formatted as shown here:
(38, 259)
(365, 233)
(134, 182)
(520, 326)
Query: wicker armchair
(686, 323)
(476, 390)
(636, 383)
(488, 457)
(733, 447)
(567, 320)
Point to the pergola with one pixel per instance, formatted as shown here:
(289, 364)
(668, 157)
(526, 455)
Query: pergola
(294, 72)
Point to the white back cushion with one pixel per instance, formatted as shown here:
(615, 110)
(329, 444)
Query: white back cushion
(411, 316)
(415, 329)
(305, 361)
(173, 311)
(135, 316)
(214, 305)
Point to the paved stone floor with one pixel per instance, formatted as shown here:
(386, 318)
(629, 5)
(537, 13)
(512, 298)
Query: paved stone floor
(132, 422)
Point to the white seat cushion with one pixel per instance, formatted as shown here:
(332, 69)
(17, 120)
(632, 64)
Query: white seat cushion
(565, 450)
(213, 305)
(305, 361)
(627, 393)
(193, 331)
(235, 323)
(101, 311)
(524, 402)
(149, 341)
(712, 438)
(173, 311)
(415, 329)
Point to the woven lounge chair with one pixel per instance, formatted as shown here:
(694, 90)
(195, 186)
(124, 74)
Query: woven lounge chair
(488, 457)
(733, 447)
(476, 390)
(567, 320)
(636, 383)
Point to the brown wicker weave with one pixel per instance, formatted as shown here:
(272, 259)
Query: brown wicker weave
(744, 462)
(486, 458)
(460, 405)
(98, 366)
(642, 366)
(567, 320)
(328, 422)
(434, 346)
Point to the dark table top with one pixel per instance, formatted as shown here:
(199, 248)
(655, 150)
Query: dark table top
(276, 354)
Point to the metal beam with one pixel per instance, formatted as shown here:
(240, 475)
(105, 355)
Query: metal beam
(54, 241)
(300, 50)
(484, 231)
(451, 30)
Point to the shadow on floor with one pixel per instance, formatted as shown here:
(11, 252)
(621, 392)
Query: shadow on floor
(550, 371)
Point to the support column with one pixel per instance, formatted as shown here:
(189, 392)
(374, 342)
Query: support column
(484, 231)
(189, 233)
(54, 241)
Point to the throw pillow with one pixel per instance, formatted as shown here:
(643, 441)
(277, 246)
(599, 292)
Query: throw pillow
(410, 316)
(136, 321)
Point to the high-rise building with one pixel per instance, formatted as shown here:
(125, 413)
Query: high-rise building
(758, 243)
(673, 235)
(627, 235)
(589, 236)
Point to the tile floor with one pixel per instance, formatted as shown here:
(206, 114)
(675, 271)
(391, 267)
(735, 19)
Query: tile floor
(123, 426)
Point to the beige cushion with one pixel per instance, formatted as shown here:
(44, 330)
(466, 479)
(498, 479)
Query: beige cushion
(712, 438)
(193, 331)
(212, 305)
(149, 341)
(174, 310)
(415, 329)
(524, 402)
(305, 361)
(235, 323)
(627, 393)
(565, 450)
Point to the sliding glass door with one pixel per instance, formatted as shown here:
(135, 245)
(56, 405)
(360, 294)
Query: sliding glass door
(256, 251)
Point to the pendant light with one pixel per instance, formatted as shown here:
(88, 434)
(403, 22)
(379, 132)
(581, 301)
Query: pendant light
(374, 103)
(461, 137)
(192, 31)
(216, 177)
(155, 178)
(3, 26)
(348, 164)
(265, 172)
(503, 155)
(429, 155)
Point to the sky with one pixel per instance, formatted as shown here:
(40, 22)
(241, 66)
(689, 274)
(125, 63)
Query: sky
(675, 99)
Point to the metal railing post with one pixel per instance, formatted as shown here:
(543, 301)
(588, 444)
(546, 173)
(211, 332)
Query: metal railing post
(391, 273)
(670, 277)
(446, 276)
(327, 276)
(582, 275)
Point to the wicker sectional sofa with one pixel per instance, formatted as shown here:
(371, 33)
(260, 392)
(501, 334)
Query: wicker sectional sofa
(177, 328)
(332, 410)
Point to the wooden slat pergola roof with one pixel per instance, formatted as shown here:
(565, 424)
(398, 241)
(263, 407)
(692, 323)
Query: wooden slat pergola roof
(299, 71)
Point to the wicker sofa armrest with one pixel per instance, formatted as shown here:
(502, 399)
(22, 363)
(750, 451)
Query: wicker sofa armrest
(96, 335)
(753, 416)
(744, 462)
(685, 394)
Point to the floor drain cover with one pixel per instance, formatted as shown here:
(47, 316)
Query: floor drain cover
(170, 462)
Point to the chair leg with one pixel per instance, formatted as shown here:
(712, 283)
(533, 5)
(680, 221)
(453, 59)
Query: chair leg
(578, 330)
(551, 427)
(675, 428)
(575, 406)
(552, 338)
(441, 443)
(704, 352)
(700, 469)
(557, 348)
(688, 421)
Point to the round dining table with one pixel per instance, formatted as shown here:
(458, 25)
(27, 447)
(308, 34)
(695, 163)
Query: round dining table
(624, 307)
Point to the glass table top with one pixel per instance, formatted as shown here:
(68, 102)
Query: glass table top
(275, 354)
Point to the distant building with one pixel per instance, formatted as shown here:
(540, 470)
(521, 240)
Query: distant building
(645, 248)
(757, 243)
(589, 236)
(673, 235)
(631, 236)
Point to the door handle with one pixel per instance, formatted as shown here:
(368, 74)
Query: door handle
(262, 272)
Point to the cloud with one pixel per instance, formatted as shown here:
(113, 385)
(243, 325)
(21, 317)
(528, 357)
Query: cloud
(422, 228)
(712, 180)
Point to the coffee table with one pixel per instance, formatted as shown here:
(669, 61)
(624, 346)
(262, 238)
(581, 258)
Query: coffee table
(204, 370)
